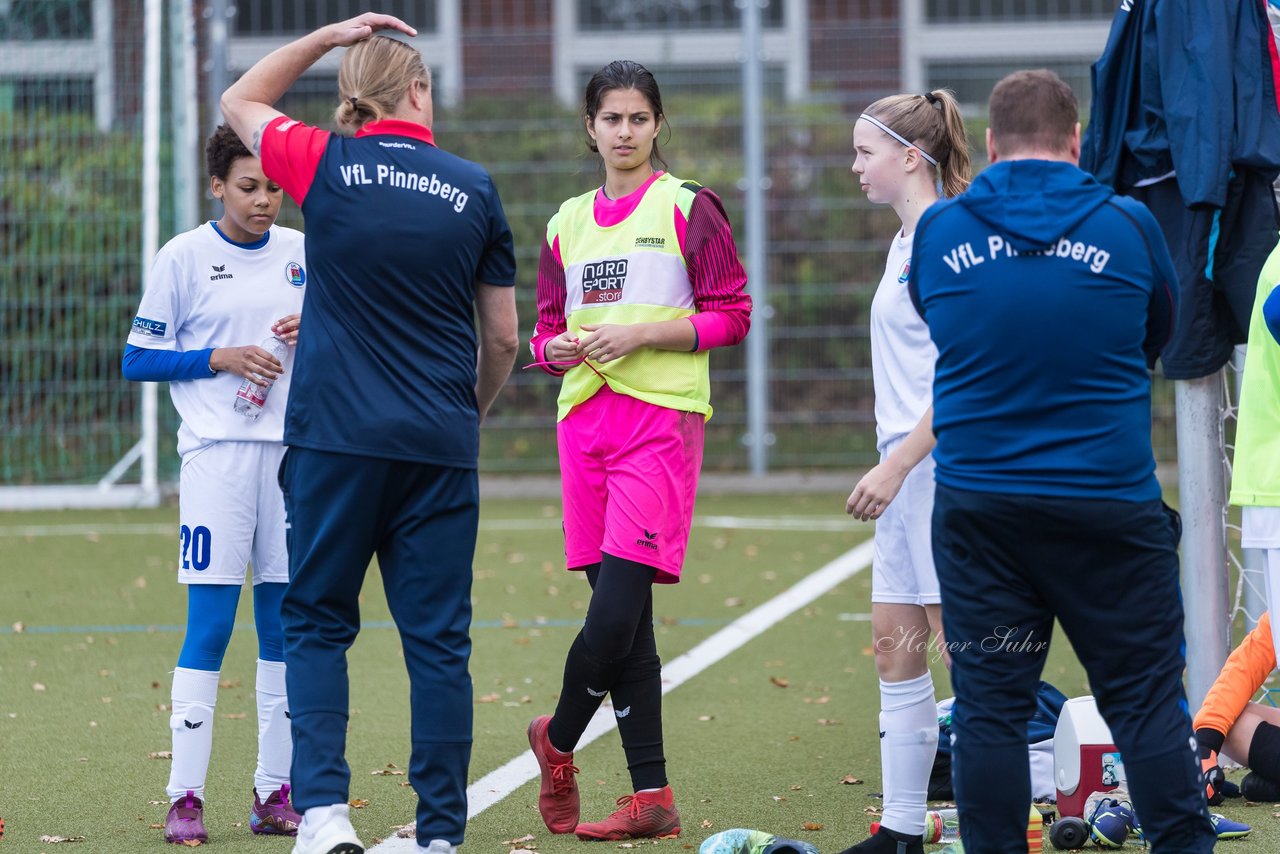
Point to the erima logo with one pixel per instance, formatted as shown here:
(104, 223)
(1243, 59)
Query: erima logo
(882, 733)
(289, 716)
(648, 541)
(219, 274)
(195, 725)
(651, 242)
(1126, 5)
(597, 693)
(602, 281)
(622, 713)
(284, 126)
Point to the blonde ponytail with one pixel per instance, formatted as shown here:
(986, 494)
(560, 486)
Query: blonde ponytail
(934, 125)
(372, 78)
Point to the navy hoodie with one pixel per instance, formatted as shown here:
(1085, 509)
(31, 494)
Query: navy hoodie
(1048, 297)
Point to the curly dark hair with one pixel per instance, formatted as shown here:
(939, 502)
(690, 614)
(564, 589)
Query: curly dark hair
(223, 149)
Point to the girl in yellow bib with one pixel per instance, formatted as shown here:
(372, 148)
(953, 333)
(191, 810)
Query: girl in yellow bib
(638, 279)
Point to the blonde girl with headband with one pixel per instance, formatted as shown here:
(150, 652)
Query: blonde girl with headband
(906, 148)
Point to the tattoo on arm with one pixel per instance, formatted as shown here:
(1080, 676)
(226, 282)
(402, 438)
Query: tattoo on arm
(255, 145)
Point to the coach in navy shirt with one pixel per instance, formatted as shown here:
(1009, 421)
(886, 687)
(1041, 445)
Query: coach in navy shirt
(1048, 297)
(407, 247)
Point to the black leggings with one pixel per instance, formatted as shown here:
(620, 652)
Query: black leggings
(616, 653)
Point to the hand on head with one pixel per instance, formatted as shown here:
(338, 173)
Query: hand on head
(359, 28)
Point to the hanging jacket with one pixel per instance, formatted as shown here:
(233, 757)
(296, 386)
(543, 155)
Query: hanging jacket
(1185, 87)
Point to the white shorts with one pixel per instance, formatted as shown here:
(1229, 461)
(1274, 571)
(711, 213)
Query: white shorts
(1260, 527)
(902, 569)
(232, 513)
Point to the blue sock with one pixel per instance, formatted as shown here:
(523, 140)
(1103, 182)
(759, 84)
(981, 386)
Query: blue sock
(211, 615)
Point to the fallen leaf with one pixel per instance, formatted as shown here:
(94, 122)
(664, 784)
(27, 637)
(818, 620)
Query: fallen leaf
(229, 683)
(160, 754)
(155, 827)
(828, 722)
(489, 698)
(191, 843)
(794, 738)
(38, 687)
(706, 717)
(780, 681)
(105, 699)
(407, 831)
(871, 810)
(235, 716)
(778, 799)
(733, 602)
(19, 627)
(405, 783)
(812, 825)
(528, 837)
(850, 780)
(358, 803)
(156, 803)
(796, 788)
(140, 583)
(706, 822)
(389, 771)
(104, 672)
(818, 701)
(54, 840)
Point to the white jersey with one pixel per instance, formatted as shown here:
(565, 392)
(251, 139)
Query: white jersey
(205, 291)
(902, 353)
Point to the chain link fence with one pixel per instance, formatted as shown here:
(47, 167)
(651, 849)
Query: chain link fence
(508, 76)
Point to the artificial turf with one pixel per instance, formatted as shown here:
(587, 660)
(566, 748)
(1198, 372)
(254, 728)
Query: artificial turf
(772, 736)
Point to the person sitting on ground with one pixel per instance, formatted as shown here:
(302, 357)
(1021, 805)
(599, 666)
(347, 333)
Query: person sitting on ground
(1229, 722)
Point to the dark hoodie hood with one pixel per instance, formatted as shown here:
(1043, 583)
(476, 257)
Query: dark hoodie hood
(1032, 203)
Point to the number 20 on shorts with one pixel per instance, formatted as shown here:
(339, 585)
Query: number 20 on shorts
(196, 545)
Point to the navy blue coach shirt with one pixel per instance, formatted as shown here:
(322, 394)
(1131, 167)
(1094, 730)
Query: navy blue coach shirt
(1047, 296)
(398, 234)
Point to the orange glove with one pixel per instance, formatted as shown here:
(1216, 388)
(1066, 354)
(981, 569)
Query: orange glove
(1212, 777)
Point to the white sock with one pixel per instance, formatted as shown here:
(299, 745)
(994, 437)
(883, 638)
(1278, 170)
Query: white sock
(194, 694)
(908, 744)
(275, 740)
(437, 846)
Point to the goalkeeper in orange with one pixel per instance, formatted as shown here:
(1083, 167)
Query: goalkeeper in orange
(1229, 722)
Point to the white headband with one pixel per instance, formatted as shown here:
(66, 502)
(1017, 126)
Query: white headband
(899, 137)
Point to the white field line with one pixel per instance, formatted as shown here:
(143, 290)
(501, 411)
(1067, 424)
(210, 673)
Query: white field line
(745, 523)
(497, 784)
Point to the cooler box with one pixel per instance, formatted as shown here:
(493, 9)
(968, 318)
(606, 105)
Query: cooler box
(1084, 758)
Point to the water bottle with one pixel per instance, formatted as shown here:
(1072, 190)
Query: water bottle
(251, 397)
(939, 826)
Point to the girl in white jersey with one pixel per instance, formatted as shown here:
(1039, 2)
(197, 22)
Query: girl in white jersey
(214, 294)
(905, 146)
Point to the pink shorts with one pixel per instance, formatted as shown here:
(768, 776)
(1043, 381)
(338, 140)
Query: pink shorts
(629, 474)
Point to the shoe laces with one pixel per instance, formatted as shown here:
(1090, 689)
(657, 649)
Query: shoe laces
(562, 776)
(628, 804)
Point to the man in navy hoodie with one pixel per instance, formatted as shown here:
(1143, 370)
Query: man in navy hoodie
(1048, 297)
